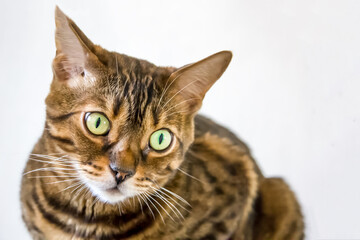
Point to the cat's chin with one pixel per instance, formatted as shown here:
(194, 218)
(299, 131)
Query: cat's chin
(111, 195)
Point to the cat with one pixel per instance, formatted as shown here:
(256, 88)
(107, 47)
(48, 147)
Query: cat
(124, 155)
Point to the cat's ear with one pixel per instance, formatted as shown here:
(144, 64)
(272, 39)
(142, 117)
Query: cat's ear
(73, 49)
(194, 80)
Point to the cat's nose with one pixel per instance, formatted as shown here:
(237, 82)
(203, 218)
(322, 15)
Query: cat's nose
(120, 174)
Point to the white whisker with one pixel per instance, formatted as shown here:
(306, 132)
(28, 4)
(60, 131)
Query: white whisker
(137, 196)
(182, 171)
(182, 102)
(61, 181)
(167, 213)
(170, 205)
(145, 201)
(119, 208)
(94, 202)
(53, 176)
(147, 196)
(52, 169)
(165, 90)
(176, 202)
(77, 193)
(177, 113)
(175, 195)
(71, 186)
(187, 85)
(77, 187)
(50, 162)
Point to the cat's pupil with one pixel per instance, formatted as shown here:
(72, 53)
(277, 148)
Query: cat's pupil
(97, 122)
(161, 138)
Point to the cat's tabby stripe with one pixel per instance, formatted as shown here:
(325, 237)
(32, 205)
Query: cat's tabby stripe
(60, 139)
(59, 118)
(142, 220)
(117, 105)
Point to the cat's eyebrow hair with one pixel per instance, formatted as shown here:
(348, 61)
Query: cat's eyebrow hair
(155, 116)
(118, 102)
(117, 106)
(59, 118)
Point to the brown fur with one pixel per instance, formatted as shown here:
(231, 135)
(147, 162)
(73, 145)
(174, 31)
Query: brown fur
(204, 186)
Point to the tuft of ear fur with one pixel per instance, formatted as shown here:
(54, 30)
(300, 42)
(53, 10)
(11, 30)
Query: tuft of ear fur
(73, 48)
(194, 80)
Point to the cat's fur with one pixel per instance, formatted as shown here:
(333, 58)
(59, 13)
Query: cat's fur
(205, 186)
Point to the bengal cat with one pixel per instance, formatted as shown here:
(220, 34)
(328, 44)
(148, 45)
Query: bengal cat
(124, 155)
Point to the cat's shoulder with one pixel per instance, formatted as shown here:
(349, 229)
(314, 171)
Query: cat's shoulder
(204, 125)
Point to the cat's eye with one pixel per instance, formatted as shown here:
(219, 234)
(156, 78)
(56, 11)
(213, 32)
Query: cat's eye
(97, 123)
(160, 139)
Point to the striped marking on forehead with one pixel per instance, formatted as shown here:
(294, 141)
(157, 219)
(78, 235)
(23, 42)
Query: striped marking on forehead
(139, 93)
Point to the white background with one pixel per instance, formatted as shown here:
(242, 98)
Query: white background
(291, 91)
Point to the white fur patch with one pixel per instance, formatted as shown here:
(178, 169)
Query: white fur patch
(120, 146)
(87, 80)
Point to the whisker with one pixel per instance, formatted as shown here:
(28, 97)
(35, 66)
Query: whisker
(77, 193)
(182, 102)
(147, 196)
(187, 85)
(117, 66)
(182, 171)
(53, 169)
(166, 89)
(43, 161)
(49, 156)
(119, 208)
(160, 205)
(133, 201)
(62, 159)
(175, 195)
(130, 204)
(137, 196)
(67, 164)
(77, 187)
(71, 186)
(176, 202)
(94, 201)
(87, 191)
(185, 111)
(145, 201)
(67, 180)
(54, 176)
(171, 206)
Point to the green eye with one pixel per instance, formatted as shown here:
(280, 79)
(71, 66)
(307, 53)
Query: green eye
(97, 123)
(160, 139)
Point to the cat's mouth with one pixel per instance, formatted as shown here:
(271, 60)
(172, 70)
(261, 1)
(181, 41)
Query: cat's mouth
(111, 192)
(114, 189)
(119, 192)
(111, 195)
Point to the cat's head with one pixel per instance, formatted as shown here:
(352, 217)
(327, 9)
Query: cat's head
(125, 123)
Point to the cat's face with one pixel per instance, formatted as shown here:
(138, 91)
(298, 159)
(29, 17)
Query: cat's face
(125, 123)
